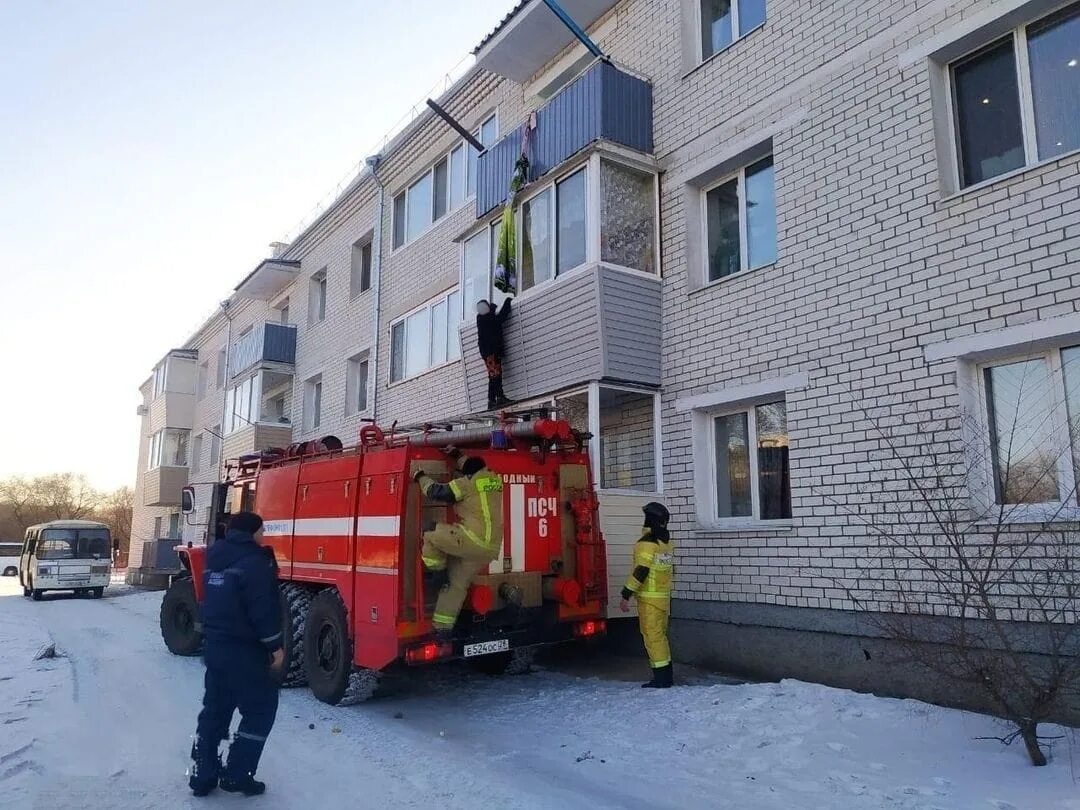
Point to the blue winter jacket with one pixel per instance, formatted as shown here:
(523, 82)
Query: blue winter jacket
(242, 604)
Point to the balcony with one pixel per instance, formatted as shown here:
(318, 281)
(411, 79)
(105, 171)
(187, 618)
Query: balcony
(254, 438)
(597, 323)
(268, 279)
(602, 104)
(266, 343)
(162, 485)
(531, 36)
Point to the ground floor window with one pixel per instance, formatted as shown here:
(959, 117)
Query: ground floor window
(751, 467)
(1032, 409)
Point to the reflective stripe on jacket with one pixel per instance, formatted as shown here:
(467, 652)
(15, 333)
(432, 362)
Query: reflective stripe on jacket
(658, 559)
(478, 502)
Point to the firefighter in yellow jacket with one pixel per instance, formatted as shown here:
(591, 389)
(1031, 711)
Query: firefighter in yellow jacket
(650, 582)
(467, 547)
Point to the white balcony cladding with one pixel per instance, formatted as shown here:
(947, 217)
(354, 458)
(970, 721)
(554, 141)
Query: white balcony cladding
(593, 324)
(531, 35)
(268, 279)
(266, 343)
(603, 103)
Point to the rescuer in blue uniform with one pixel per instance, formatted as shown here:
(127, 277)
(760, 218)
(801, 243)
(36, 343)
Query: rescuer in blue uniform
(241, 617)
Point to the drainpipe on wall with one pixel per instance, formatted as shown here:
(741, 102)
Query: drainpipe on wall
(225, 383)
(373, 163)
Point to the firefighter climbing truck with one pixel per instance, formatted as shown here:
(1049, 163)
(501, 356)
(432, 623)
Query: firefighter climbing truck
(346, 526)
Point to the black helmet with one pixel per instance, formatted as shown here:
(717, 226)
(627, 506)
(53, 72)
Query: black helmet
(472, 465)
(656, 514)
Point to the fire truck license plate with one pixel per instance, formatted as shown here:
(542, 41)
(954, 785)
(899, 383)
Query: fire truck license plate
(487, 647)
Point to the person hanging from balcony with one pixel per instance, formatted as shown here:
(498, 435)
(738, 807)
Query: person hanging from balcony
(492, 347)
(650, 583)
(465, 548)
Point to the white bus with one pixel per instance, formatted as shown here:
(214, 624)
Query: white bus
(66, 555)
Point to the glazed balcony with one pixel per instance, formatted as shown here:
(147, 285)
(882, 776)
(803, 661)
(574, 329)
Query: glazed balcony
(265, 343)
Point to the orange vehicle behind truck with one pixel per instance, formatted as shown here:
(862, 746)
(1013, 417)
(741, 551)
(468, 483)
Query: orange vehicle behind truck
(345, 526)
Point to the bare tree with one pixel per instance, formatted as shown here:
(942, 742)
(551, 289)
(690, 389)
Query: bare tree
(981, 592)
(115, 510)
(66, 496)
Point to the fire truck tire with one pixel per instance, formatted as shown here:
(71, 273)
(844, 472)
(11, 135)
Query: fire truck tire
(179, 617)
(295, 604)
(515, 662)
(328, 652)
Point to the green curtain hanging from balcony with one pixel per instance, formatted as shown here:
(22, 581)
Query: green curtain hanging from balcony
(506, 261)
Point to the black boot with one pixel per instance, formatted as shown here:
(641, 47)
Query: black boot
(239, 776)
(499, 395)
(205, 766)
(491, 394)
(662, 678)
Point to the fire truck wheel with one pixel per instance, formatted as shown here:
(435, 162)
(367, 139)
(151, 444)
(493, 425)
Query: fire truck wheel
(515, 662)
(328, 650)
(179, 612)
(295, 604)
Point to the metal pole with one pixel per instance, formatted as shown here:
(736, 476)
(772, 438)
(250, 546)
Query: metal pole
(575, 29)
(464, 133)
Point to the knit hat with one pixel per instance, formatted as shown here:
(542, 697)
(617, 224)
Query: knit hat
(247, 522)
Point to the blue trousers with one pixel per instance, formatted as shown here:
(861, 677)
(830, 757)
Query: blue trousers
(237, 678)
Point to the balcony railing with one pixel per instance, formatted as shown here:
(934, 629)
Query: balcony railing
(604, 103)
(594, 324)
(162, 485)
(266, 343)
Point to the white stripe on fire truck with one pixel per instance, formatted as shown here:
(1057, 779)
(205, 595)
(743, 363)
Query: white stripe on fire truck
(378, 525)
(321, 566)
(367, 569)
(517, 527)
(323, 527)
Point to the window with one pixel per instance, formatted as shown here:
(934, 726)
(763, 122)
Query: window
(360, 272)
(1033, 423)
(313, 390)
(220, 369)
(627, 217)
(175, 529)
(215, 445)
(478, 257)
(157, 528)
(627, 440)
(426, 338)
(356, 384)
(239, 404)
(283, 312)
(751, 470)
(160, 373)
(275, 397)
(740, 222)
(724, 21)
(1017, 101)
(317, 298)
(169, 448)
(202, 380)
(553, 230)
(442, 189)
(196, 453)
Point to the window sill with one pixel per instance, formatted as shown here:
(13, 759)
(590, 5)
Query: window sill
(359, 295)
(738, 527)
(1003, 178)
(712, 57)
(1028, 515)
(727, 279)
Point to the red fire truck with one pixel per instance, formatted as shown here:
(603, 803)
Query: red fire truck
(346, 525)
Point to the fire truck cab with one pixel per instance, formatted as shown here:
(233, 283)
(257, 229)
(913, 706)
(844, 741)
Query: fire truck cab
(346, 527)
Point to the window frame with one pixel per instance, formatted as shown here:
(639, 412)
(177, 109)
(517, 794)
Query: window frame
(754, 519)
(739, 175)
(354, 384)
(362, 284)
(1018, 36)
(594, 442)
(156, 449)
(450, 205)
(313, 396)
(986, 496)
(318, 296)
(699, 45)
(195, 460)
(452, 328)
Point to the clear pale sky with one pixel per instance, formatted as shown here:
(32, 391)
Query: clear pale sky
(149, 153)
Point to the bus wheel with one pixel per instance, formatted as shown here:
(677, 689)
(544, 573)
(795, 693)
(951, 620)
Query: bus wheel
(98, 592)
(328, 650)
(35, 594)
(179, 611)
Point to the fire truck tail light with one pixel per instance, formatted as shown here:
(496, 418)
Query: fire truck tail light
(590, 628)
(427, 653)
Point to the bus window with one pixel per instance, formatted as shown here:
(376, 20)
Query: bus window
(56, 544)
(93, 544)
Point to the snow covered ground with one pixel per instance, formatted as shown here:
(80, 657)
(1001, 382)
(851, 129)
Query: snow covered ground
(109, 726)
